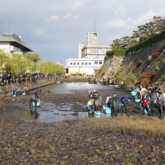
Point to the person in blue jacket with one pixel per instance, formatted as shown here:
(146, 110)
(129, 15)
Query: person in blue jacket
(124, 105)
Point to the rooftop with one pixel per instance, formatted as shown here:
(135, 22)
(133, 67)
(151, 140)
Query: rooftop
(15, 40)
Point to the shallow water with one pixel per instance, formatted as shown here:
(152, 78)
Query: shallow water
(69, 88)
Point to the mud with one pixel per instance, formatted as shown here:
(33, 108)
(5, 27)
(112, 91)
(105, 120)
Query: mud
(61, 101)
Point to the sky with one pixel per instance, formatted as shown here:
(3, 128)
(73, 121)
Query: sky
(54, 28)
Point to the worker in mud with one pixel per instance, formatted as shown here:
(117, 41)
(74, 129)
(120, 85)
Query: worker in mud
(139, 94)
(149, 97)
(161, 103)
(97, 101)
(34, 98)
(124, 105)
(144, 106)
(90, 105)
(140, 87)
(108, 101)
(90, 95)
(156, 98)
(114, 104)
(108, 81)
(89, 80)
(133, 87)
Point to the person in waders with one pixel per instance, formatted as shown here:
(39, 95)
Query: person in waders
(144, 106)
(124, 105)
(34, 98)
(97, 101)
(108, 101)
(160, 102)
(114, 104)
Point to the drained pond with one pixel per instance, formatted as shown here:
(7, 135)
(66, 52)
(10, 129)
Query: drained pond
(63, 101)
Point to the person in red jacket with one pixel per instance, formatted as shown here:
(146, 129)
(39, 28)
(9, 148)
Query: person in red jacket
(144, 105)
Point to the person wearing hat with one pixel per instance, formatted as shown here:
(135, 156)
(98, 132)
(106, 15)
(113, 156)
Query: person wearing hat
(160, 103)
(114, 103)
(144, 106)
(124, 105)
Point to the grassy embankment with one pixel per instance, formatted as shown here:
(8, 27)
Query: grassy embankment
(137, 126)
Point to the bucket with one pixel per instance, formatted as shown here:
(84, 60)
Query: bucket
(133, 93)
(14, 95)
(98, 114)
(98, 83)
(23, 93)
(137, 100)
(107, 110)
(145, 112)
(116, 86)
(38, 104)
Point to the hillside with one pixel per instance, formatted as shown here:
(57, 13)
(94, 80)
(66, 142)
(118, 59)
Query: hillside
(144, 66)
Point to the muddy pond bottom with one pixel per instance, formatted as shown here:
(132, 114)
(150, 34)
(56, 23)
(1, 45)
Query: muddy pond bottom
(52, 112)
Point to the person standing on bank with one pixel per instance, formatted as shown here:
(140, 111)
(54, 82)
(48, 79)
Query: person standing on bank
(160, 103)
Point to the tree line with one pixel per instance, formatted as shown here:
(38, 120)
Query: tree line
(143, 33)
(27, 63)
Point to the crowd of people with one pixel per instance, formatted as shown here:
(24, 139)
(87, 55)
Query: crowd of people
(153, 98)
(104, 81)
(95, 103)
(21, 77)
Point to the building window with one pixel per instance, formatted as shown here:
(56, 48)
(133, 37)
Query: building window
(96, 62)
(78, 63)
(82, 63)
(89, 63)
(70, 63)
(74, 63)
(100, 62)
(86, 63)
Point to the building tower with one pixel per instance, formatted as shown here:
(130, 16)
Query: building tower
(92, 39)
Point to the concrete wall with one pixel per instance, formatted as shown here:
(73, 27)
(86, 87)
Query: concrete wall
(5, 47)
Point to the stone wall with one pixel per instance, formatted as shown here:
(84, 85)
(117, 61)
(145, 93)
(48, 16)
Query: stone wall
(113, 65)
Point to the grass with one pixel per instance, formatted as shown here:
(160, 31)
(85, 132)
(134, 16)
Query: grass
(137, 126)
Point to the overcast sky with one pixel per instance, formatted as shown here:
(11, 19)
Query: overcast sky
(54, 28)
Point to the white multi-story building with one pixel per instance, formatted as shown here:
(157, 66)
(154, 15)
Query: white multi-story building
(11, 43)
(91, 57)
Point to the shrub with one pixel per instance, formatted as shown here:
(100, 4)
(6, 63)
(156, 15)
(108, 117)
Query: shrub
(122, 69)
(118, 72)
(99, 70)
(138, 64)
(149, 75)
(146, 82)
(119, 52)
(133, 69)
(110, 53)
(147, 43)
(103, 74)
(156, 53)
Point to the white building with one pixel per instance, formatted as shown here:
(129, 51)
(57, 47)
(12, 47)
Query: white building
(11, 43)
(91, 57)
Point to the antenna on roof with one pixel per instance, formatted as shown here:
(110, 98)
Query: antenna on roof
(95, 25)
(6, 26)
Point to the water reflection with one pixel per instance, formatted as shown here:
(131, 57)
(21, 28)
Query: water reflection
(35, 112)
